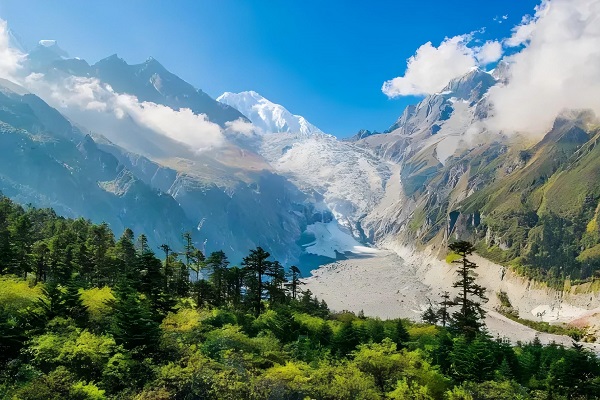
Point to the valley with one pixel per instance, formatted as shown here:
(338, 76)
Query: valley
(386, 285)
(300, 200)
(274, 179)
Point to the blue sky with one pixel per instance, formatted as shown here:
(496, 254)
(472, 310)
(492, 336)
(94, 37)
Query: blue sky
(325, 60)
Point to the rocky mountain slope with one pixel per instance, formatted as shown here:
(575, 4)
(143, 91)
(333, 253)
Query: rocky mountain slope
(48, 162)
(525, 201)
(228, 197)
(232, 190)
(244, 171)
(343, 180)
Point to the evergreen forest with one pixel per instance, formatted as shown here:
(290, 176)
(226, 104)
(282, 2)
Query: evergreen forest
(87, 315)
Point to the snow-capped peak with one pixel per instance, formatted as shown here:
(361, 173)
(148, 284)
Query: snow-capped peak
(266, 115)
(47, 43)
(48, 48)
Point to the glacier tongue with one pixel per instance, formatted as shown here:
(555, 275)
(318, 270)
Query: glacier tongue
(346, 180)
(350, 180)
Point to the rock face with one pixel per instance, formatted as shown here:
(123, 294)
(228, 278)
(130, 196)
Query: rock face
(47, 162)
(534, 205)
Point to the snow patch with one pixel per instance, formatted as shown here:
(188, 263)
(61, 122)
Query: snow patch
(47, 43)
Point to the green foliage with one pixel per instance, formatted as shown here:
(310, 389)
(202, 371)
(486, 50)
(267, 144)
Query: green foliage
(86, 317)
(96, 301)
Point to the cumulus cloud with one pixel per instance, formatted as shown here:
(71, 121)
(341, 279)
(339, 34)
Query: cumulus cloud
(431, 68)
(490, 52)
(10, 58)
(557, 69)
(242, 127)
(523, 31)
(89, 94)
(182, 125)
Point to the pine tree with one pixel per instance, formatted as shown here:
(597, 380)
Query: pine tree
(257, 266)
(401, 335)
(218, 264)
(188, 249)
(125, 251)
(5, 242)
(21, 242)
(346, 339)
(235, 282)
(72, 304)
(275, 287)
(430, 315)
(197, 262)
(443, 313)
(294, 281)
(469, 316)
(51, 303)
(41, 256)
(325, 334)
(134, 325)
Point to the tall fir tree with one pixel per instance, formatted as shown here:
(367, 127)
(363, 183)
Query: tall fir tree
(257, 266)
(294, 281)
(468, 319)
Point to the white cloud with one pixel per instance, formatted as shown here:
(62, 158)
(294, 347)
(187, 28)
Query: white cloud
(89, 94)
(182, 125)
(431, 68)
(557, 69)
(239, 126)
(10, 58)
(522, 32)
(490, 52)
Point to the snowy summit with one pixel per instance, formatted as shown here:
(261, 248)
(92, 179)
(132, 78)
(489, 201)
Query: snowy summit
(268, 116)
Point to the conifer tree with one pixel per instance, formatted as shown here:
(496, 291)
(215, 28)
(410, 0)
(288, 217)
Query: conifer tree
(5, 242)
(401, 335)
(51, 303)
(218, 264)
(443, 312)
(197, 262)
(126, 257)
(430, 315)
(21, 242)
(346, 339)
(468, 319)
(235, 283)
(134, 326)
(72, 304)
(257, 266)
(294, 281)
(41, 256)
(275, 287)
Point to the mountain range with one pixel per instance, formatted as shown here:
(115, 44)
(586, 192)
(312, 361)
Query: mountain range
(136, 146)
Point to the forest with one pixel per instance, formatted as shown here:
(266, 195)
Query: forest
(87, 315)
